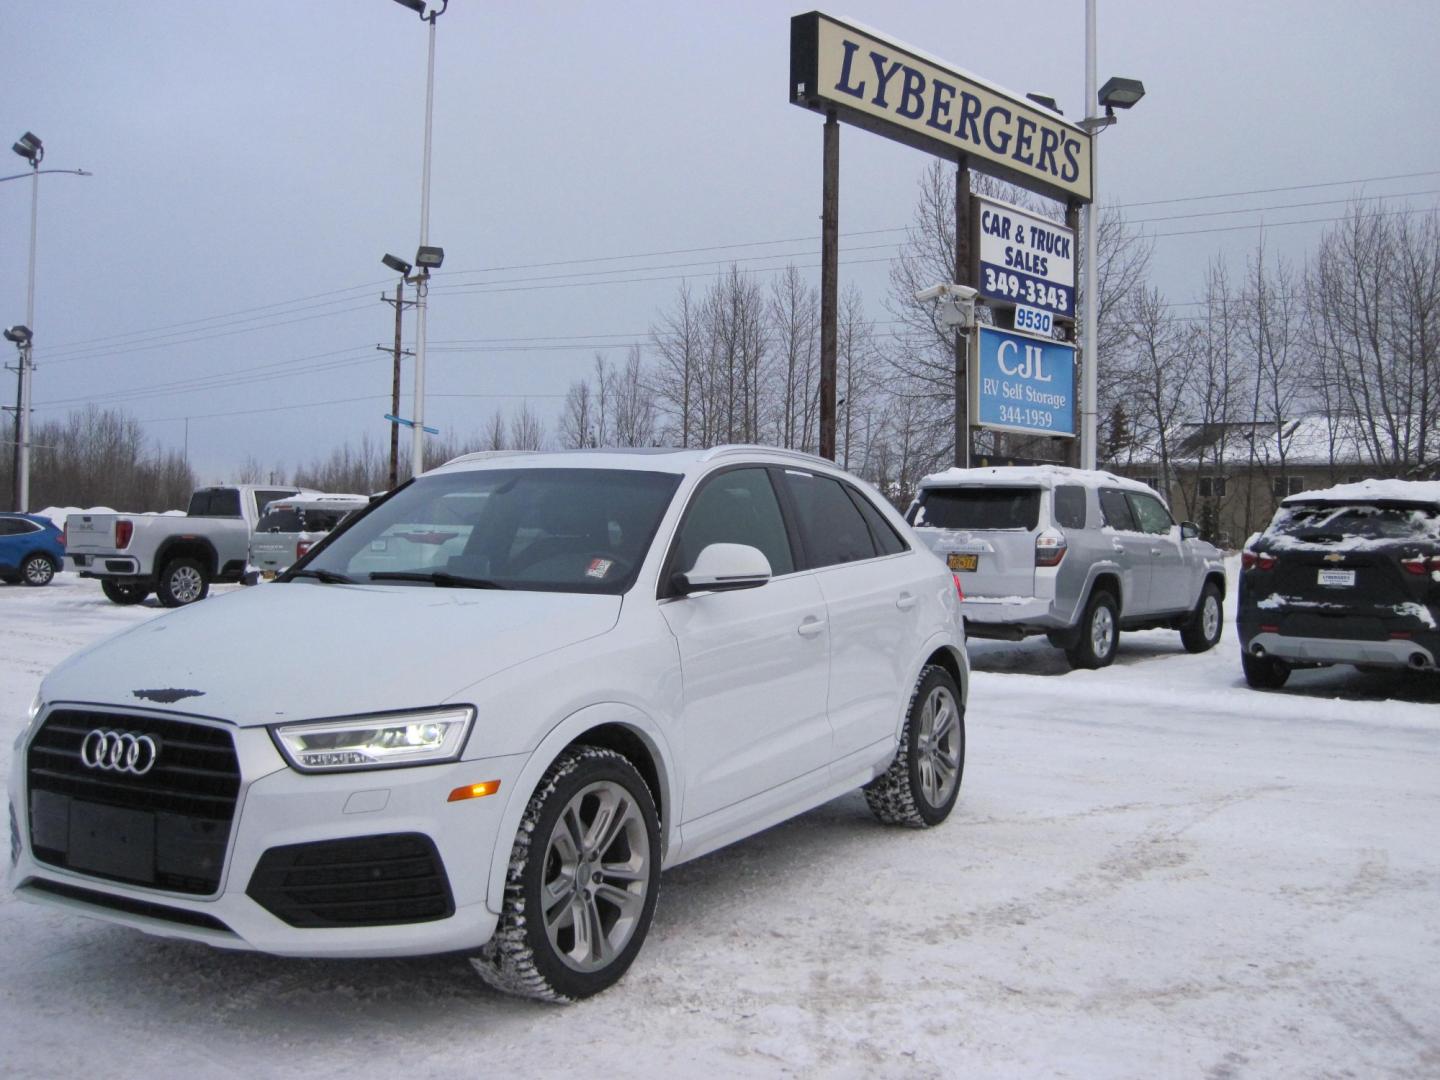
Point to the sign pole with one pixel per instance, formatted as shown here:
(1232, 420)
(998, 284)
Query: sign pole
(1091, 354)
(1072, 222)
(962, 277)
(829, 282)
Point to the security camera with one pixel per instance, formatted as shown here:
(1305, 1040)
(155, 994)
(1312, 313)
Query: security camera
(947, 291)
(954, 304)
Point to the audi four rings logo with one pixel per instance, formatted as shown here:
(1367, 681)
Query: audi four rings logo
(119, 751)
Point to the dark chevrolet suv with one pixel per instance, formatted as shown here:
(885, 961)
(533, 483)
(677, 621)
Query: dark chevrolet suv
(1348, 575)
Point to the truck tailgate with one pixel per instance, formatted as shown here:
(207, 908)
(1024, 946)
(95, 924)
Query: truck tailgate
(89, 534)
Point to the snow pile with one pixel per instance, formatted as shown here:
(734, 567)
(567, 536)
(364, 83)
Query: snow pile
(1039, 475)
(1416, 491)
(58, 514)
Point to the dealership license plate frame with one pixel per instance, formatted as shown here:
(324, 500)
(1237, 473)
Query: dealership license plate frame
(1336, 579)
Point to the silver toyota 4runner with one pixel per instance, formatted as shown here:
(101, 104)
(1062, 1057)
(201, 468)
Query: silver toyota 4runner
(1076, 555)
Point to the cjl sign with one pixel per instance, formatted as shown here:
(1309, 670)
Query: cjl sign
(1022, 383)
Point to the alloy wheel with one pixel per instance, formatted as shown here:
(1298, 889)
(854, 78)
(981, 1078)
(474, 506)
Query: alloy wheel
(596, 874)
(938, 747)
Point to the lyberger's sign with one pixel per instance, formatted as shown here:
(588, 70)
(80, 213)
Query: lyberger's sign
(885, 88)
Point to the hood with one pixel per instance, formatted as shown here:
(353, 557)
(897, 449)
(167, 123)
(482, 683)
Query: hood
(296, 651)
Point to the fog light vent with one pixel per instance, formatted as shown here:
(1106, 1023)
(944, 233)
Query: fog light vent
(363, 881)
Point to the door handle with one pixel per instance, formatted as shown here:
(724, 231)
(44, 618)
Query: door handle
(905, 601)
(811, 627)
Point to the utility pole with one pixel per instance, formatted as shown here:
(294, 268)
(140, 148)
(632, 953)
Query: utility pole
(400, 304)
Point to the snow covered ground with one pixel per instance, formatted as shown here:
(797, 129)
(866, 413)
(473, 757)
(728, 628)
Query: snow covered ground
(1152, 871)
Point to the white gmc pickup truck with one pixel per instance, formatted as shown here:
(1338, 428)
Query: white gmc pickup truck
(174, 557)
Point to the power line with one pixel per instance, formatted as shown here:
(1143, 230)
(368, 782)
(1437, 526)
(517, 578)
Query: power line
(385, 398)
(1271, 191)
(1285, 206)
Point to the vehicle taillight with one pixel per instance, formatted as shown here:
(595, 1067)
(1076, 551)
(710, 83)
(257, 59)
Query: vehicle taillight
(959, 589)
(302, 546)
(1420, 565)
(1257, 560)
(61, 538)
(123, 531)
(1049, 548)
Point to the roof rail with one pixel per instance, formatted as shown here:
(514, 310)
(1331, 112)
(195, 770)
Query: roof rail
(799, 456)
(486, 455)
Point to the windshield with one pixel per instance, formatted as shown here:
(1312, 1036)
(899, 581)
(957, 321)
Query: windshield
(1332, 522)
(978, 508)
(567, 530)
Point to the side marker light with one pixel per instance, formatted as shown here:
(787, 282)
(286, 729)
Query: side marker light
(474, 791)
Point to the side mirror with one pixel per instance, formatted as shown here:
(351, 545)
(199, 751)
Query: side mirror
(1189, 530)
(724, 568)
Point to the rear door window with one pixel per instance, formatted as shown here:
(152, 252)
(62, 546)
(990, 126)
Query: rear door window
(886, 539)
(1070, 506)
(979, 508)
(830, 524)
(1116, 510)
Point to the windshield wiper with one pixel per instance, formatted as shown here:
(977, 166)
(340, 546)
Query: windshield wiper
(439, 578)
(329, 577)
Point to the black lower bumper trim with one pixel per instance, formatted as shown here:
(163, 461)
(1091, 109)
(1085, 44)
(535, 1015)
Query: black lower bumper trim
(128, 905)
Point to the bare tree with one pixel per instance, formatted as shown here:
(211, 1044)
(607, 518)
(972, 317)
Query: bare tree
(527, 430)
(635, 412)
(679, 344)
(795, 321)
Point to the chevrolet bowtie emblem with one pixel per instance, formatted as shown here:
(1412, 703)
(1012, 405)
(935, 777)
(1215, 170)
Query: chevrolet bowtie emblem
(1334, 557)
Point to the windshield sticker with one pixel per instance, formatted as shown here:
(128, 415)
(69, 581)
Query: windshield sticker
(599, 568)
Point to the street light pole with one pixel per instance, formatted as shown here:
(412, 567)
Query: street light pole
(422, 286)
(29, 147)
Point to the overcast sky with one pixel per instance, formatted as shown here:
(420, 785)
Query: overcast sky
(254, 160)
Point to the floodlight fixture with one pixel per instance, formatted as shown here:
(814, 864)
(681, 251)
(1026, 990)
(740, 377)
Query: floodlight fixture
(419, 6)
(20, 335)
(1121, 93)
(1048, 102)
(429, 258)
(30, 148)
(399, 265)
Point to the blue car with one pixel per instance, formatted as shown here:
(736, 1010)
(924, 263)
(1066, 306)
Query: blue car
(32, 549)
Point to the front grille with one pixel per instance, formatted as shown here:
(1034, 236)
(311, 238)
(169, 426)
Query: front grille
(167, 829)
(365, 881)
(127, 904)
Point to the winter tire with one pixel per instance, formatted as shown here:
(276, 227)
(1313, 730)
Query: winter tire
(118, 593)
(1201, 631)
(183, 581)
(1264, 672)
(37, 570)
(584, 875)
(921, 785)
(1099, 634)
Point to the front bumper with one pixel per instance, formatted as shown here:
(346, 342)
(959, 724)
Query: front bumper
(278, 807)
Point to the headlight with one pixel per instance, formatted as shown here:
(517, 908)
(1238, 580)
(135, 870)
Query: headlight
(375, 742)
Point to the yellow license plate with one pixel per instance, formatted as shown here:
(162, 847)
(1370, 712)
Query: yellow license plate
(957, 560)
